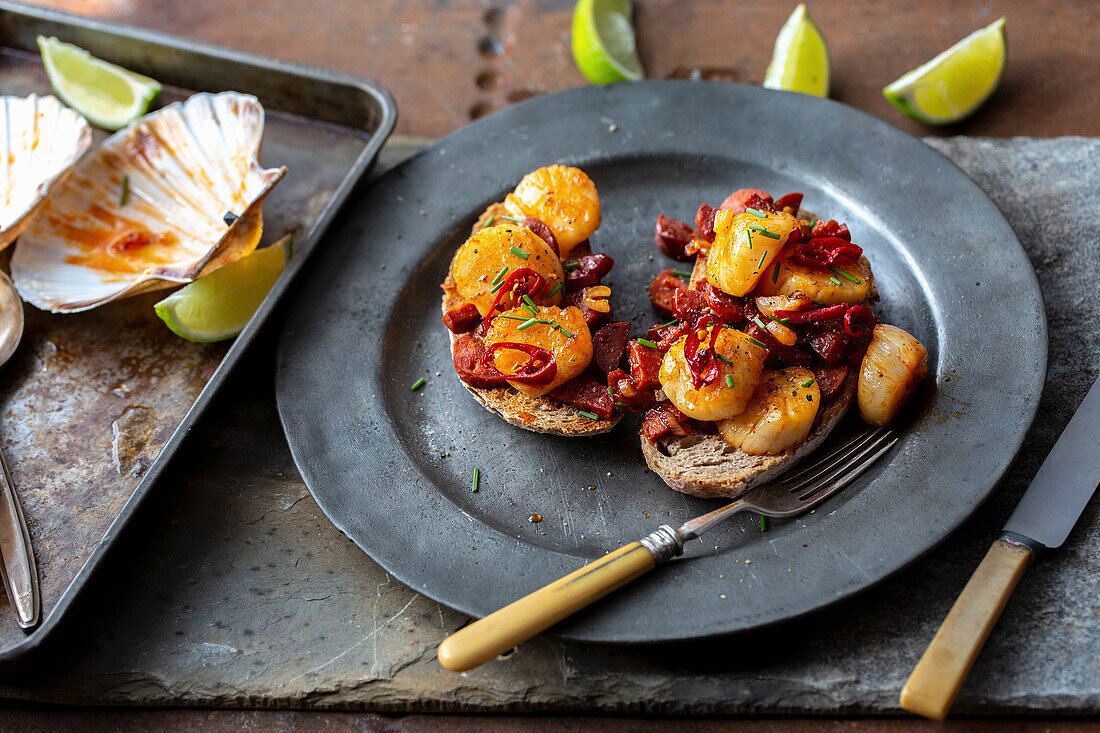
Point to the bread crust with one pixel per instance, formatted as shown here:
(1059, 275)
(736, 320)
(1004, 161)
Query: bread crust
(537, 414)
(706, 466)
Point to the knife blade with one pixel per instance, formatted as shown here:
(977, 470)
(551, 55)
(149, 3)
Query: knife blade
(1044, 517)
(1065, 482)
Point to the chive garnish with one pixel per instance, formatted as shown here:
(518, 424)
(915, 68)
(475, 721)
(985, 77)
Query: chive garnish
(765, 232)
(763, 523)
(572, 265)
(609, 392)
(780, 320)
(589, 415)
(534, 313)
(553, 290)
(500, 275)
(490, 220)
(749, 234)
(417, 384)
(563, 329)
(808, 382)
(681, 273)
(673, 322)
(497, 287)
(846, 275)
(527, 324)
(724, 358)
(621, 404)
(519, 253)
(125, 195)
(512, 218)
(758, 343)
(761, 262)
(477, 475)
(758, 322)
(834, 281)
(513, 318)
(817, 302)
(756, 212)
(528, 301)
(647, 342)
(729, 380)
(775, 272)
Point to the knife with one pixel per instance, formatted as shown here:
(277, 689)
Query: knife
(1043, 519)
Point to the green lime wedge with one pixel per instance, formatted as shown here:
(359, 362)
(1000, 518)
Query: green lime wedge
(800, 61)
(218, 306)
(603, 41)
(955, 83)
(108, 96)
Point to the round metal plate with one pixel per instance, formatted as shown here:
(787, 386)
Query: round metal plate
(392, 468)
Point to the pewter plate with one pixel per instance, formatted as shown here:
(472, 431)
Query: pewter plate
(392, 468)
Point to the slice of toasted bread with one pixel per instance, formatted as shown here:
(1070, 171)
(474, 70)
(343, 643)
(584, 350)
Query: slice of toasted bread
(706, 466)
(537, 414)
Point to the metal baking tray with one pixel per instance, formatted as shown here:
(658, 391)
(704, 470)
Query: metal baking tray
(94, 404)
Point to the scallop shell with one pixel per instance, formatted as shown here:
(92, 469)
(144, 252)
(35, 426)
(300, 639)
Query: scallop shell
(173, 196)
(40, 142)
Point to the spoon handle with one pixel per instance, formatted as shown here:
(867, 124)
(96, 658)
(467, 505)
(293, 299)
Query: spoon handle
(18, 570)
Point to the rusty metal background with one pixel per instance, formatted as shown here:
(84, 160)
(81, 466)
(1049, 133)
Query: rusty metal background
(93, 404)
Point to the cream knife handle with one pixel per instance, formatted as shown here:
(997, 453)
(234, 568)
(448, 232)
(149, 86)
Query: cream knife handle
(519, 621)
(941, 671)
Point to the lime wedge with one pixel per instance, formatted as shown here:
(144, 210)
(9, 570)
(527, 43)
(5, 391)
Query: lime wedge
(603, 41)
(218, 306)
(800, 62)
(108, 96)
(955, 83)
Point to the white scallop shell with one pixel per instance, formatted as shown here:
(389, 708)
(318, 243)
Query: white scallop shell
(40, 142)
(184, 167)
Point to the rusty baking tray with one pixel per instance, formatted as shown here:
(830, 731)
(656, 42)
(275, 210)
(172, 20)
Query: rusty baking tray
(94, 404)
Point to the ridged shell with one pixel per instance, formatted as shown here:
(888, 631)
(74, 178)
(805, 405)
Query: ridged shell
(40, 142)
(185, 167)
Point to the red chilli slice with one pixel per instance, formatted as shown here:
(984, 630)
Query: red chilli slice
(825, 251)
(828, 313)
(541, 375)
(857, 313)
(701, 362)
(510, 286)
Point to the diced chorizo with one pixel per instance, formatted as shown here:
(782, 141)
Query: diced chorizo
(791, 201)
(542, 231)
(586, 393)
(663, 289)
(727, 307)
(830, 228)
(672, 236)
(462, 318)
(828, 341)
(608, 345)
(689, 305)
(584, 271)
(645, 365)
(744, 198)
(468, 360)
(830, 379)
(626, 393)
(662, 419)
(593, 318)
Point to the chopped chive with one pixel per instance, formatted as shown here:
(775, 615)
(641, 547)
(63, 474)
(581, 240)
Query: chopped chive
(834, 281)
(125, 195)
(477, 476)
(527, 324)
(554, 290)
(756, 212)
(780, 320)
(512, 218)
(519, 253)
(497, 287)
(621, 404)
(724, 358)
(817, 302)
(758, 322)
(729, 380)
(681, 273)
(765, 233)
(589, 415)
(500, 275)
(750, 239)
(758, 343)
(808, 382)
(761, 262)
(775, 272)
(763, 523)
(534, 313)
(513, 318)
(572, 265)
(846, 275)
(673, 322)
(563, 329)
(609, 392)
(647, 342)
(417, 384)
(490, 220)
(528, 301)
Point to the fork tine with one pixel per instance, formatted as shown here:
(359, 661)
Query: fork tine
(831, 459)
(817, 490)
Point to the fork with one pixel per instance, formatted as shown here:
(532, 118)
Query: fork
(792, 494)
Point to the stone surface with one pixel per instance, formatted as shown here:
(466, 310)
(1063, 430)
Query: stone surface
(230, 588)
